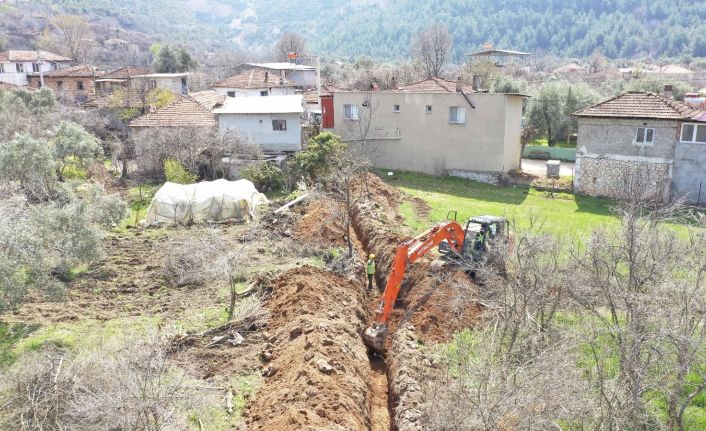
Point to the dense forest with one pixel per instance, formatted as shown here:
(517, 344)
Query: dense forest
(382, 29)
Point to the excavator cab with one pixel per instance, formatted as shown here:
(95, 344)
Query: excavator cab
(480, 234)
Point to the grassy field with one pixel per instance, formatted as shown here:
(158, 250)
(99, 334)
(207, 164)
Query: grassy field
(564, 213)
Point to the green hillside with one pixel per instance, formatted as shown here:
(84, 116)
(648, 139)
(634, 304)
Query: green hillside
(382, 28)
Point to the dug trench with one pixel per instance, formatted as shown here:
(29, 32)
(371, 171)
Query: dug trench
(318, 373)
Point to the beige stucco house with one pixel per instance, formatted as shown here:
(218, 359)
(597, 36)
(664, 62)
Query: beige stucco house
(642, 143)
(435, 126)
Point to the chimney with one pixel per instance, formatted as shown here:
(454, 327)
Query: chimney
(267, 75)
(459, 84)
(668, 91)
(476, 83)
(393, 83)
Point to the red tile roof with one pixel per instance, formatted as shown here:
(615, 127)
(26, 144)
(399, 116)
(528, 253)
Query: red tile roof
(80, 71)
(125, 72)
(27, 56)
(187, 112)
(636, 104)
(255, 78)
(208, 99)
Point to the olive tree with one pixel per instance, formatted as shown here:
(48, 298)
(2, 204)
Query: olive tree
(30, 163)
(73, 145)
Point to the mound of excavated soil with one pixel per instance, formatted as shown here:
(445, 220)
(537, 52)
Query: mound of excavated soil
(322, 222)
(318, 376)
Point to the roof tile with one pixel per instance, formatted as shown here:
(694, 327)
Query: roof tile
(255, 78)
(186, 112)
(27, 56)
(636, 104)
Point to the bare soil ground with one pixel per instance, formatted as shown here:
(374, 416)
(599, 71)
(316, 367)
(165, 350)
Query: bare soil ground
(317, 373)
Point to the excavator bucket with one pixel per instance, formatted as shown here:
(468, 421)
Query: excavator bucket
(374, 338)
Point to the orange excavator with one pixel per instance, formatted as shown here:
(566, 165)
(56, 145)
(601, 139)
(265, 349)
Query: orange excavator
(453, 240)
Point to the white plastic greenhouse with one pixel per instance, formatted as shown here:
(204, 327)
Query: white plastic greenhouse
(219, 200)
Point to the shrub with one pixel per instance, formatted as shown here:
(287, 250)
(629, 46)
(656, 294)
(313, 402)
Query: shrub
(312, 163)
(175, 172)
(266, 176)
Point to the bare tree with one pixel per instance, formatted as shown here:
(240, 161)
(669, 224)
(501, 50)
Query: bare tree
(69, 35)
(289, 42)
(431, 47)
(642, 290)
(126, 385)
(344, 166)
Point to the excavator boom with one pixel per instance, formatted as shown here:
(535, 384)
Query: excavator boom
(409, 251)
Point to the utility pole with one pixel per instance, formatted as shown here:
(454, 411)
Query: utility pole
(40, 62)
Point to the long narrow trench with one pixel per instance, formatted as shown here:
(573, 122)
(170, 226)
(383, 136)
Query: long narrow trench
(380, 406)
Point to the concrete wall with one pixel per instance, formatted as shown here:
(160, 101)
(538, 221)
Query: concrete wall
(13, 77)
(690, 173)
(609, 161)
(307, 78)
(258, 127)
(255, 92)
(170, 83)
(415, 140)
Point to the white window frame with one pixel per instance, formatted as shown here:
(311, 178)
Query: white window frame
(264, 93)
(2, 67)
(230, 93)
(396, 108)
(458, 119)
(20, 67)
(350, 112)
(428, 109)
(644, 136)
(284, 122)
(693, 133)
(36, 67)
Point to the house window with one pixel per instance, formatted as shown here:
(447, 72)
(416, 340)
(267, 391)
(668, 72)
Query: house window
(457, 115)
(79, 85)
(350, 112)
(231, 94)
(2, 68)
(264, 93)
(59, 85)
(20, 67)
(395, 108)
(279, 125)
(428, 109)
(54, 66)
(645, 136)
(35, 67)
(693, 133)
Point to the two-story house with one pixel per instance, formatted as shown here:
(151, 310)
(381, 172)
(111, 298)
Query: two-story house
(15, 65)
(653, 138)
(435, 126)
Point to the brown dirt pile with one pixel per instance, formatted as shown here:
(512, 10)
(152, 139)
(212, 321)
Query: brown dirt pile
(321, 222)
(318, 368)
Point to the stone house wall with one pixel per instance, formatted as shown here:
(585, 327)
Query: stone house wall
(67, 86)
(609, 161)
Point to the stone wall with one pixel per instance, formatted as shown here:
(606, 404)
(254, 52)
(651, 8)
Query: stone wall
(69, 86)
(619, 177)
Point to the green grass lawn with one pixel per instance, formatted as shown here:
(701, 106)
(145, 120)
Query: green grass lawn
(543, 142)
(563, 213)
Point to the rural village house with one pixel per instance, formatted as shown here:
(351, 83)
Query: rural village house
(177, 83)
(194, 110)
(15, 65)
(434, 126)
(256, 83)
(300, 74)
(74, 82)
(121, 78)
(273, 123)
(645, 134)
